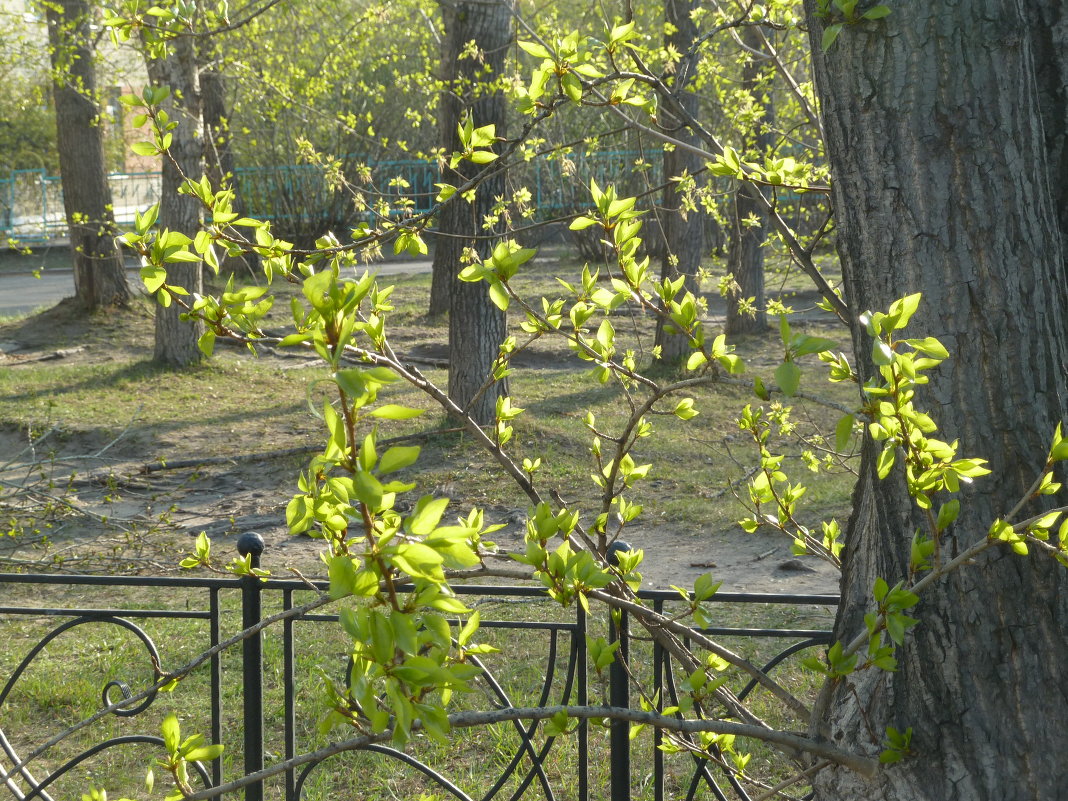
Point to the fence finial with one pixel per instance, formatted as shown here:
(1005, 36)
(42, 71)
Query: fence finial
(251, 543)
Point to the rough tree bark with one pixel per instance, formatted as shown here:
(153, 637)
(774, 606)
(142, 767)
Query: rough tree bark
(219, 164)
(942, 185)
(745, 254)
(1048, 26)
(99, 272)
(176, 339)
(684, 240)
(476, 326)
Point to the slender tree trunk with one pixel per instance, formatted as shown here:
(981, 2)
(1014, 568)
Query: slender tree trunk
(745, 261)
(176, 339)
(745, 255)
(684, 241)
(941, 183)
(99, 272)
(476, 325)
(219, 164)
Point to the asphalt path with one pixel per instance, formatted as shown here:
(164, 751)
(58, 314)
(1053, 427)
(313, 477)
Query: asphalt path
(22, 293)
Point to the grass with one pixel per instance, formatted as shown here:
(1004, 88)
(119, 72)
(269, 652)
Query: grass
(239, 404)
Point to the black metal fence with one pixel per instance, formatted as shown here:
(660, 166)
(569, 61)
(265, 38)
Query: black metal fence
(259, 716)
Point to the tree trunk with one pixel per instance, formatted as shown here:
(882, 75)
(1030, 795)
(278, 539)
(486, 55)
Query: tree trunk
(745, 255)
(99, 272)
(941, 184)
(176, 339)
(745, 261)
(476, 325)
(684, 241)
(219, 162)
(1048, 25)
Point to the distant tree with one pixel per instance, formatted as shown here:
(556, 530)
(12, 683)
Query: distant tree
(477, 35)
(684, 241)
(219, 163)
(749, 217)
(99, 272)
(176, 339)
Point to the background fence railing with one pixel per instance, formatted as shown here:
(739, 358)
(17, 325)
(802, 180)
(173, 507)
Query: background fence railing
(74, 642)
(299, 198)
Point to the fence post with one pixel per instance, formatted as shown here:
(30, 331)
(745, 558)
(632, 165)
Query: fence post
(619, 692)
(251, 543)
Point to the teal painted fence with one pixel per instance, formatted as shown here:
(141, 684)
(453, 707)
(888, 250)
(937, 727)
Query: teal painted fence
(297, 197)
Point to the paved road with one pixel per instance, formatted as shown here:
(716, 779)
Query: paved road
(22, 293)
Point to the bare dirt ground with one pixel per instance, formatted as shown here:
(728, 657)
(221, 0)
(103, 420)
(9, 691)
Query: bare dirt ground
(152, 517)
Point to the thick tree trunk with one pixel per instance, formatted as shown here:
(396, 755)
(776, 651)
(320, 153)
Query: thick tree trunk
(684, 240)
(941, 183)
(176, 339)
(99, 272)
(476, 325)
(1048, 26)
(745, 255)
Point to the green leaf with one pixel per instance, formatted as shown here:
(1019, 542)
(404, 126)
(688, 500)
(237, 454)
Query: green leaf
(182, 256)
(788, 377)
(1059, 450)
(804, 345)
(418, 560)
(572, 86)
(206, 343)
(144, 149)
(732, 362)
(881, 353)
(901, 312)
(830, 33)
(760, 390)
(154, 278)
(294, 339)
(351, 381)
(204, 753)
(843, 432)
(392, 411)
(299, 514)
(876, 12)
(427, 514)
(581, 223)
(499, 295)
(948, 513)
(397, 458)
(368, 489)
(172, 734)
(143, 222)
(342, 575)
(929, 346)
(885, 462)
(784, 330)
(880, 590)
(534, 49)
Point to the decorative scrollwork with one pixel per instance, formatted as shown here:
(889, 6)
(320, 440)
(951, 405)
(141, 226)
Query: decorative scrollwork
(11, 779)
